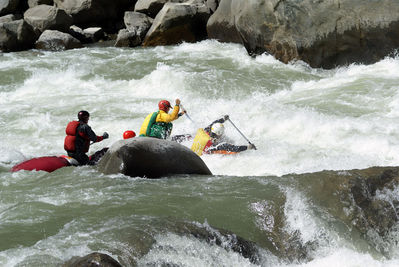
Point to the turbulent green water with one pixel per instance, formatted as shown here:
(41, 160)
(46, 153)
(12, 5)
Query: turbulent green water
(302, 120)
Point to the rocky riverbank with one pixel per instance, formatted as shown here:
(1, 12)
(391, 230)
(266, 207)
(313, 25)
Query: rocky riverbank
(324, 34)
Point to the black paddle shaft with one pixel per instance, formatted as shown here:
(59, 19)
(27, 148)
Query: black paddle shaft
(241, 133)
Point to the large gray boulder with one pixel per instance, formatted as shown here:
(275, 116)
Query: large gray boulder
(8, 6)
(151, 158)
(152, 7)
(16, 35)
(45, 17)
(57, 41)
(94, 34)
(322, 33)
(212, 4)
(127, 39)
(8, 18)
(33, 3)
(178, 22)
(138, 23)
(93, 11)
(149, 7)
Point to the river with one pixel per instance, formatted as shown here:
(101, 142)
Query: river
(302, 120)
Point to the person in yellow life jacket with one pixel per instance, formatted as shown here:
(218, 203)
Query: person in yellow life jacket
(158, 124)
(218, 143)
(212, 140)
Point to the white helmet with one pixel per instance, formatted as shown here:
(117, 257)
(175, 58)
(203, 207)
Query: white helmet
(218, 129)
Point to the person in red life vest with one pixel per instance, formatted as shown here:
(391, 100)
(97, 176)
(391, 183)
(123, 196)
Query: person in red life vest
(217, 141)
(78, 137)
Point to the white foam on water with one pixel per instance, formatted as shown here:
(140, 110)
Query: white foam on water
(188, 251)
(347, 258)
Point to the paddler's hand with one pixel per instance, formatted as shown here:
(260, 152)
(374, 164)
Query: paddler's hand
(226, 117)
(177, 102)
(105, 135)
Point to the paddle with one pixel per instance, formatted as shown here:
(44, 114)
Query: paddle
(185, 112)
(241, 133)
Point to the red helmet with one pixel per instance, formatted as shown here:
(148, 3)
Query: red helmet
(164, 105)
(129, 134)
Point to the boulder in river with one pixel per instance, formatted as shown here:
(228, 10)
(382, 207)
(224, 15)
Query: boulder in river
(151, 158)
(93, 259)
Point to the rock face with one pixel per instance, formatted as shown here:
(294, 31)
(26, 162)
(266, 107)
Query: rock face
(8, 6)
(57, 41)
(322, 33)
(33, 3)
(178, 22)
(44, 17)
(16, 35)
(137, 25)
(93, 11)
(149, 7)
(127, 39)
(151, 158)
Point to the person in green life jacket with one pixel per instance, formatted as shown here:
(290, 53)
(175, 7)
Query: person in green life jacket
(158, 124)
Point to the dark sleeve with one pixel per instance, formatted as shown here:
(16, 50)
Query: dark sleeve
(209, 127)
(89, 132)
(228, 147)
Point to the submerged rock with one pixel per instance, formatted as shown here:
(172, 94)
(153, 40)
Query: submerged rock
(359, 201)
(221, 238)
(94, 259)
(151, 158)
(355, 197)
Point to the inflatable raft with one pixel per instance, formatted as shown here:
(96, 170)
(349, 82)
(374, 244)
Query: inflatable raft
(48, 164)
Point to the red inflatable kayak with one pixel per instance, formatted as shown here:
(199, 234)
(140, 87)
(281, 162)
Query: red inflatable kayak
(48, 164)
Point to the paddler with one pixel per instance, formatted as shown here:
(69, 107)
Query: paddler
(158, 124)
(218, 143)
(77, 142)
(212, 140)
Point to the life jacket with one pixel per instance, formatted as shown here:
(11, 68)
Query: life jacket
(201, 142)
(160, 130)
(71, 135)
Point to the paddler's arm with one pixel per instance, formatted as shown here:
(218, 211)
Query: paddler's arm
(91, 134)
(165, 117)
